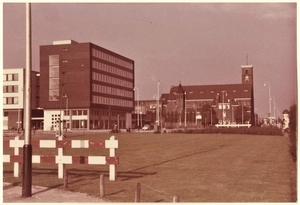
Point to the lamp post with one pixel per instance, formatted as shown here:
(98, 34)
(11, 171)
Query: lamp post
(211, 116)
(141, 112)
(274, 106)
(265, 84)
(137, 94)
(157, 98)
(185, 110)
(223, 91)
(67, 105)
(27, 147)
(242, 112)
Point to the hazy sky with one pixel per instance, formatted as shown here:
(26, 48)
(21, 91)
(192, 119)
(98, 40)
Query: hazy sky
(191, 43)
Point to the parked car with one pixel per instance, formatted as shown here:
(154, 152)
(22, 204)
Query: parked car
(146, 127)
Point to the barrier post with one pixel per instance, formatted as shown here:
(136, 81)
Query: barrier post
(65, 179)
(175, 199)
(61, 166)
(102, 192)
(112, 153)
(138, 192)
(17, 167)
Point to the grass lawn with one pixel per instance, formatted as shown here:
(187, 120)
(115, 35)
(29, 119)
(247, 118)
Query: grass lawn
(195, 167)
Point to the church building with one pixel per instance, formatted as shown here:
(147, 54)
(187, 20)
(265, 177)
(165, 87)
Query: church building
(208, 105)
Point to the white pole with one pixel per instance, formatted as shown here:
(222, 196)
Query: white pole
(270, 110)
(184, 109)
(138, 109)
(223, 108)
(242, 112)
(157, 112)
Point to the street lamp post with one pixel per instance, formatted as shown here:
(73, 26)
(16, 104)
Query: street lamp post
(210, 116)
(67, 105)
(223, 91)
(242, 112)
(157, 109)
(185, 110)
(265, 84)
(27, 147)
(273, 97)
(137, 96)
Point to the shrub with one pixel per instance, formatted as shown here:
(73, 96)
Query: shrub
(238, 130)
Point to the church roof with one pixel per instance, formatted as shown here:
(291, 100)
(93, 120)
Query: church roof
(198, 92)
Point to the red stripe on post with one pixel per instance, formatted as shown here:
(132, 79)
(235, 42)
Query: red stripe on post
(6, 143)
(80, 160)
(112, 160)
(16, 158)
(35, 143)
(96, 144)
(63, 144)
(47, 159)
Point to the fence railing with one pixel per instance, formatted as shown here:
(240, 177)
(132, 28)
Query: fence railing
(60, 159)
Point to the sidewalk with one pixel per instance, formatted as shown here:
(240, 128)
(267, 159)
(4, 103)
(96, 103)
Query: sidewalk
(43, 194)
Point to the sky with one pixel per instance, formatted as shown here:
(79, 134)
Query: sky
(189, 43)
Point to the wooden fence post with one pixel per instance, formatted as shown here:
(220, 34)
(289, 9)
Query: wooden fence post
(65, 178)
(102, 191)
(138, 192)
(175, 198)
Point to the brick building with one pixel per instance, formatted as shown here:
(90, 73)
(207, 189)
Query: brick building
(86, 86)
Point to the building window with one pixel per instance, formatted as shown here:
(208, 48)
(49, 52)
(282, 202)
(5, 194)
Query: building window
(53, 78)
(10, 100)
(11, 77)
(10, 89)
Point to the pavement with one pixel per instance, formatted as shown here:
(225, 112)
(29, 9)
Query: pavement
(13, 193)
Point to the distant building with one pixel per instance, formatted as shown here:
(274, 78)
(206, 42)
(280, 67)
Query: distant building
(206, 105)
(14, 99)
(85, 86)
(213, 104)
(286, 119)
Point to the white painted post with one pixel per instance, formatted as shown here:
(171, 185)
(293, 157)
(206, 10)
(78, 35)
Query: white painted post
(112, 153)
(17, 164)
(61, 166)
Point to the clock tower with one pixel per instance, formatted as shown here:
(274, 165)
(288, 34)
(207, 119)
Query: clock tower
(247, 74)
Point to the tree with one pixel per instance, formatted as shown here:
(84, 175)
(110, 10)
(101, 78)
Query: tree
(242, 114)
(293, 118)
(208, 115)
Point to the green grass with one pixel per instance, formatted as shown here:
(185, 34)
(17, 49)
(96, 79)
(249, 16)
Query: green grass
(197, 168)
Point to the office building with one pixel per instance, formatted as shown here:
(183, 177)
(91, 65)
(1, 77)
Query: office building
(85, 86)
(14, 99)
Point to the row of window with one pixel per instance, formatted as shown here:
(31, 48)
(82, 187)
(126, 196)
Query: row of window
(111, 101)
(53, 77)
(11, 77)
(112, 59)
(10, 100)
(10, 88)
(111, 80)
(110, 90)
(112, 69)
(75, 112)
(107, 113)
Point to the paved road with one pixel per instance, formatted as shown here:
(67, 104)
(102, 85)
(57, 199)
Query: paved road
(43, 194)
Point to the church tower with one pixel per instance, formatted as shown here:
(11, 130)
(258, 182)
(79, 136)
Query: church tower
(247, 74)
(247, 78)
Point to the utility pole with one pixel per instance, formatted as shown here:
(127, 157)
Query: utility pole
(27, 148)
